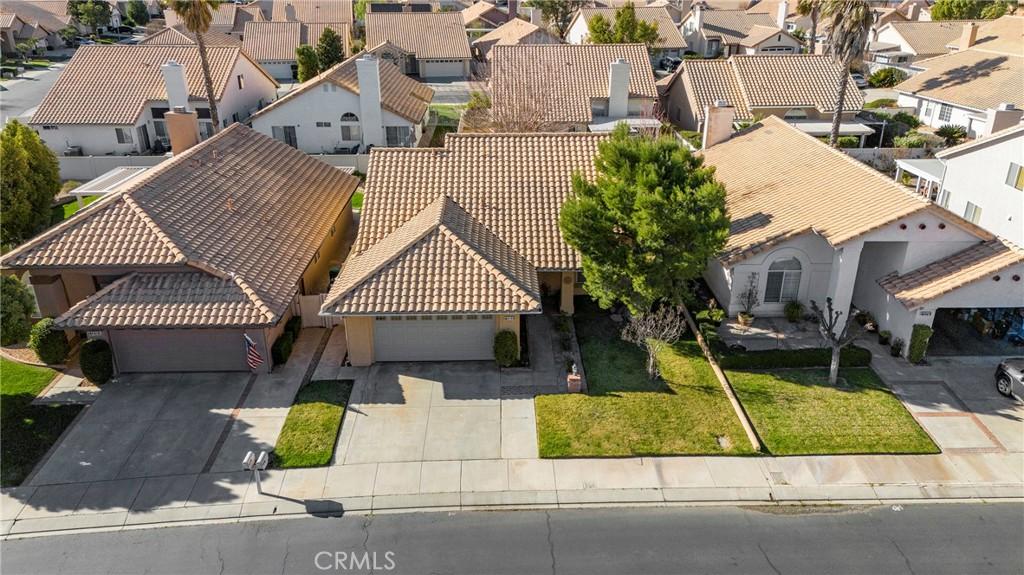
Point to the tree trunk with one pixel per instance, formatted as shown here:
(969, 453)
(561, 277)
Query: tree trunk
(844, 80)
(652, 364)
(812, 43)
(833, 368)
(208, 80)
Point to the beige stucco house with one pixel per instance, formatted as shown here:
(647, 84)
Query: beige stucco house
(430, 45)
(457, 243)
(212, 245)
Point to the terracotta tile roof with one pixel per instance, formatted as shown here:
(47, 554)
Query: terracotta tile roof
(781, 183)
(440, 261)
(485, 12)
(1003, 36)
(568, 75)
(751, 82)
(38, 13)
(732, 26)
(311, 33)
(7, 20)
(511, 33)
(179, 36)
(228, 17)
(761, 33)
(929, 37)
(240, 205)
(312, 11)
(400, 94)
(514, 184)
(111, 84)
(972, 78)
(982, 261)
(277, 41)
(428, 35)
(668, 32)
(165, 300)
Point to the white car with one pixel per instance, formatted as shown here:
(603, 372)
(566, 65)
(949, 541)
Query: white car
(1010, 377)
(859, 80)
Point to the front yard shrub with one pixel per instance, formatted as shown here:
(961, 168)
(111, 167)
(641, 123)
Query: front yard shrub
(851, 356)
(294, 326)
(16, 306)
(715, 316)
(918, 342)
(794, 311)
(97, 361)
(952, 134)
(880, 103)
(911, 139)
(49, 343)
(896, 347)
(884, 336)
(506, 348)
(906, 119)
(886, 78)
(282, 348)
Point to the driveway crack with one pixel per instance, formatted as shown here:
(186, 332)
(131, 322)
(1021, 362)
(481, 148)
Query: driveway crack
(551, 542)
(768, 559)
(906, 559)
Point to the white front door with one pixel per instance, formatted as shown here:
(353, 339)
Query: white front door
(434, 338)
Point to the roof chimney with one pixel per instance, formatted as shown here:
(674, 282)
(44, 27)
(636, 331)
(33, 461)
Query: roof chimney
(698, 16)
(969, 36)
(618, 88)
(781, 13)
(182, 129)
(718, 119)
(371, 119)
(174, 83)
(513, 10)
(1000, 118)
(913, 12)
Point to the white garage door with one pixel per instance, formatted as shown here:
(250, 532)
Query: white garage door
(443, 68)
(156, 350)
(456, 338)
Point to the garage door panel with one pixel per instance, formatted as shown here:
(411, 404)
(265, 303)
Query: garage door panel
(433, 339)
(178, 350)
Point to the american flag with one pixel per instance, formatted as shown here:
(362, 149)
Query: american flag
(252, 355)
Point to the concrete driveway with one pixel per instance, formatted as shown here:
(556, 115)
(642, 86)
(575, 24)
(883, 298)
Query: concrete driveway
(410, 412)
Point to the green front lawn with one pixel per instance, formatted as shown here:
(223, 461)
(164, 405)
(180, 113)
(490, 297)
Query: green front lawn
(357, 200)
(27, 431)
(62, 212)
(311, 428)
(796, 412)
(626, 414)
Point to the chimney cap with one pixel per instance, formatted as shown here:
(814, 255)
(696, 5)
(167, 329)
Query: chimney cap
(178, 109)
(1006, 106)
(721, 104)
(172, 63)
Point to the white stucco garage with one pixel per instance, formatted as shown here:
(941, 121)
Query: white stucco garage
(434, 338)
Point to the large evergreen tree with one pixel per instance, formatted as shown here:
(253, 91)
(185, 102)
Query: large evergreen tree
(330, 49)
(91, 13)
(309, 64)
(31, 179)
(558, 13)
(138, 13)
(647, 224)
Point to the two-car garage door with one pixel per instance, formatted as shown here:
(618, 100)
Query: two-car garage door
(156, 350)
(433, 338)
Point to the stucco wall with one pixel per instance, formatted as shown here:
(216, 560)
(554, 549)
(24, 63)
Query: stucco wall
(927, 111)
(979, 177)
(359, 337)
(316, 277)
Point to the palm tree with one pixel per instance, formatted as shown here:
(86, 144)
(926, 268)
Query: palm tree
(849, 29)
(197, 15)
(810, 8)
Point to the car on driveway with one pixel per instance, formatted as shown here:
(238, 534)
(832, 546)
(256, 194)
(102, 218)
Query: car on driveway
(1010, 377)
(669, 63)
(859, 80)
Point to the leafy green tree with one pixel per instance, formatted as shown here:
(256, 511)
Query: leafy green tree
(360, 8)
(31, 179)
(309, 64)
(197, 15)
(626, 29)
(68, 34)
(91, 13)
(138, 13)
(956, 9)
(647, 224)
(329, 50)
(558, 13)
(16, 307)
(993, 10)
(849, 24)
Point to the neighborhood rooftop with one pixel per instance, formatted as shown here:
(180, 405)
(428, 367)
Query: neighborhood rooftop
(399, 94)
(180, 36)
(929, 38)
(427, 35)
(269, 41)
(669, 36)
(732, 26)
(568, 75)
(112, 84)
(227, 227)
(781, 183)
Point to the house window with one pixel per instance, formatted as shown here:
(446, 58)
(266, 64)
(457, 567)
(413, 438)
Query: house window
(350, 133)
(945, 112)
(160, 129)
(285, 134)
(398, 135)
(323, 124)
(205, 130)
(783, 283)
(795, 114)
(944, 198)
(49, 127)
(124, 135)
(972, 213)
(928, 109)
(1015, 176)
(241, 81)
(349, 117)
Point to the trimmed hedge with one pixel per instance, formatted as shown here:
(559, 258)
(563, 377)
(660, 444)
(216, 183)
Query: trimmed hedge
(49, 343)
(282, 348)
(918, 342)
(851, 356)
(16, 306)
(506, 348)
(97, 361)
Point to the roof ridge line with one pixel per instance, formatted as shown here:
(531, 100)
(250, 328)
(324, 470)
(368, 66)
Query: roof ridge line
(254, 297)
(153, 227)
(495, 268)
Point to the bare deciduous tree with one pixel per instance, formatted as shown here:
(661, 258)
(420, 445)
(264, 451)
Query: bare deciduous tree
(653, 331)
(837, 331)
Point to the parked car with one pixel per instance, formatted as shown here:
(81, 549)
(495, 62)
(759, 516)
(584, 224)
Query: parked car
(669, 63)
(1010, 377)
(859, 80)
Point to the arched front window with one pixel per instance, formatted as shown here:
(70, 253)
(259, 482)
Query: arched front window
(783, 281)
(349, 117)
(795, 114)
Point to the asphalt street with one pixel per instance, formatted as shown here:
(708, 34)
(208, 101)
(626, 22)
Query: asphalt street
(21, 95)
(917, 539)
